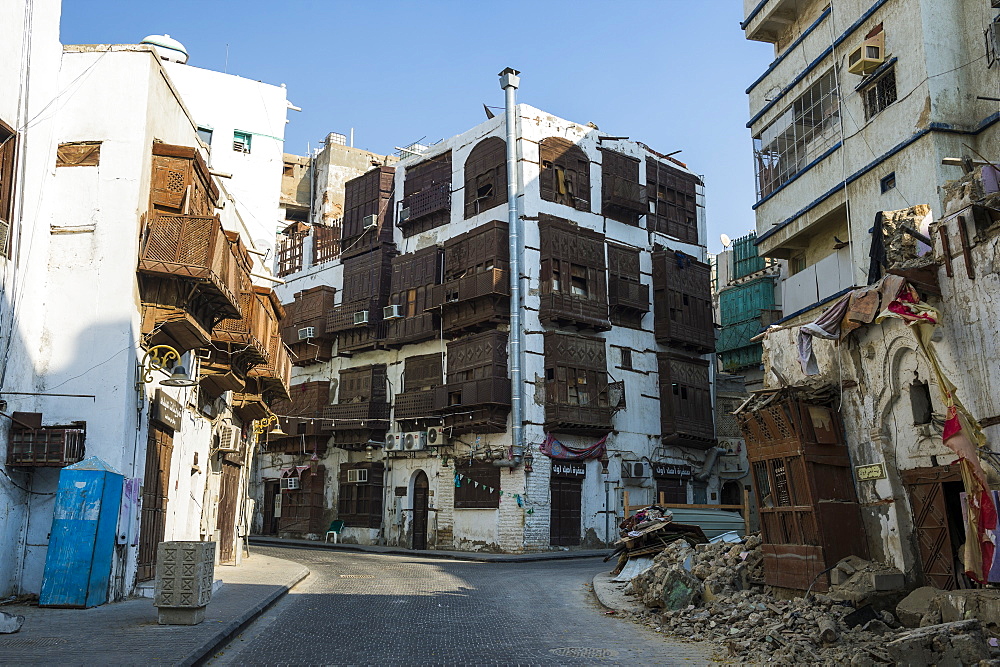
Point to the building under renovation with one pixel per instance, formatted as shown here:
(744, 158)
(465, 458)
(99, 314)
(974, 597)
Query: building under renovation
(410, 369)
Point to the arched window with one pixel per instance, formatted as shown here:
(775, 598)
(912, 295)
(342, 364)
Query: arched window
(486, 176)
(565, 173)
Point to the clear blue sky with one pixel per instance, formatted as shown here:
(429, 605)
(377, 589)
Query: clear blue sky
(670, 73)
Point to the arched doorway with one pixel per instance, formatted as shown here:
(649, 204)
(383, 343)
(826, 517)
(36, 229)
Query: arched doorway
(732, 493)
(420, 512)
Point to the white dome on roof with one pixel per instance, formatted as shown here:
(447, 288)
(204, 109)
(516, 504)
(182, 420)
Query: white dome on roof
(167, 48)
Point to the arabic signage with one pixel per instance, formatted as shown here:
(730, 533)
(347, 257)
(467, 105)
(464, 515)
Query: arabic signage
(870, 472)
(568, 469)
(167, 411)
(671, 470)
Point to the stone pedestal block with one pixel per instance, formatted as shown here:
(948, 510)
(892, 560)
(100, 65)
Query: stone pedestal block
(184, 576)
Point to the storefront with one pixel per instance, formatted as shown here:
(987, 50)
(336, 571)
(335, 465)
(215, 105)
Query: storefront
(566, 490)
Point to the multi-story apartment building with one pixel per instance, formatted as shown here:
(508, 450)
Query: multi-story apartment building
(120, 237)
(863, 102)
(400, 422)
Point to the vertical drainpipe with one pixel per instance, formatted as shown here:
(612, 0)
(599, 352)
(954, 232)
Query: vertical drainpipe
(509, 81)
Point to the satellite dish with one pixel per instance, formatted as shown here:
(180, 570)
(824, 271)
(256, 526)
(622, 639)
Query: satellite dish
(726, 241)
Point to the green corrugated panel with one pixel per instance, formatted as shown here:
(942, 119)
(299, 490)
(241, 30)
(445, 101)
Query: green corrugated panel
(744, 357)
(745, 257)
(743, 302)
(735, 336)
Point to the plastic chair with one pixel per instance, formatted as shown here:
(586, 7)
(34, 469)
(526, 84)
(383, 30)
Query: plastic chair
(335, 528)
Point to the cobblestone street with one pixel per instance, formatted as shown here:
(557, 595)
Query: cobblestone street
(376, 609)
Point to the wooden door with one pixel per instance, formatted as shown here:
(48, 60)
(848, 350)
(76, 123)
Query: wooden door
(155, 484)
(271, 508)
(420, 511)
(930, 523)
(229, 496)
(564, 525)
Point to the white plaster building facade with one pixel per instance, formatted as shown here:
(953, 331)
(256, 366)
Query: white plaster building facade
(87, 200)
(591, 201)
(833, 148)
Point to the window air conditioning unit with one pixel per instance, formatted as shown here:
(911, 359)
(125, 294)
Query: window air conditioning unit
(393, 312)
(229, 439)
(866, 58)
(635, 469)
(290, 483)
(306, 333)
(4, 233)
(371, 221)
(415, 441)
(240, 147)
(435, 436)
(357, 475)
(393, 442)
(361, 317)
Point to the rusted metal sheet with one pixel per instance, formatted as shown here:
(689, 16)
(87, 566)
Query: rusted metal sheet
(673, 202)
(79, 154)
(367, 195)
(564, 177)
(572, 275)
(427, 195)
(682, 302)
(485, 176)
(686, 416)
(623, 197)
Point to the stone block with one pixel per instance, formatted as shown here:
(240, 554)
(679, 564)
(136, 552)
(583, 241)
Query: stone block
(948, 643)
(184, 574)
(914, 606)
(180, 615)
(838, 576)
(888, 581)
(9, 623)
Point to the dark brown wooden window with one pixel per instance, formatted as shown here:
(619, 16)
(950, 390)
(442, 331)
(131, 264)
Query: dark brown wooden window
(623, 197)
(8, 154)
(362, 384)
(576, 384)
(625, 358)
(682, 302)
(422, 372)
(181, 182)
(685, 401)
(564, 177)
(414, 276)
(426, 195)
(486, 176)
(628, 298)
(365, 196)
(468, 496)
(360, 502)
(572, 275)
(673, 201)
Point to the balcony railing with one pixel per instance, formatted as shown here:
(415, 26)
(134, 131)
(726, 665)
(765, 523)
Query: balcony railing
(342, 317)
(579, 419)
(414, 405)
(48, 446)
(403, 330)
(456, 396)
(276, 374)
(628, 294)
(251, 332)
(495, 282)
(425, 202)
(559, 307)
(193, 248)
(365, 415)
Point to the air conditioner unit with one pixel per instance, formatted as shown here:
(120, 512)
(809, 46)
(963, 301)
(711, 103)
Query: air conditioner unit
(357, 475)
(371, 221)
(393, 442)
(229, 439)
(415, 441)
(392, 312)
(361, 317)
(4, 233)
(635, 469)
(435, 436)
(290, 483)
(866, 58)
(306, 333)
(240, 147)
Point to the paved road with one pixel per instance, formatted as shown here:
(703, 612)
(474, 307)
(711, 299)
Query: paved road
(398, 610)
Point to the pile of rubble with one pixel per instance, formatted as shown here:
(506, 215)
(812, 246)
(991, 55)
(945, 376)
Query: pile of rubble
(716, 592)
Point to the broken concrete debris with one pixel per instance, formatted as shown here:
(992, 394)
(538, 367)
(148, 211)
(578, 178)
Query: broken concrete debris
(716, 592)
(9, 623)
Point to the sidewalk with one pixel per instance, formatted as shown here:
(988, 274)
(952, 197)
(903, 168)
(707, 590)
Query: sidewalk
(432, 553)
(610, 594)
(127, 632)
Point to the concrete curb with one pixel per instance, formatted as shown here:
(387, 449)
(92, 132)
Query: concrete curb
(448, 555)
(609, 594)
(237, 625)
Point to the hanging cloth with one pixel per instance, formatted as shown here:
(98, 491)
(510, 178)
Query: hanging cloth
(557, 450)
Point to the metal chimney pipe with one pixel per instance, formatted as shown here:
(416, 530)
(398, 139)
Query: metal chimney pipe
(509, 81)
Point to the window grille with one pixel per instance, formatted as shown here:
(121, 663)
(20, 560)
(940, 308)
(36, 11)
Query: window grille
(880, 94)
(808, 127)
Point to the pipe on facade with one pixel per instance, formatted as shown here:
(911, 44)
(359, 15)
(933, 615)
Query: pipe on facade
(509, 81)
(710, 459)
